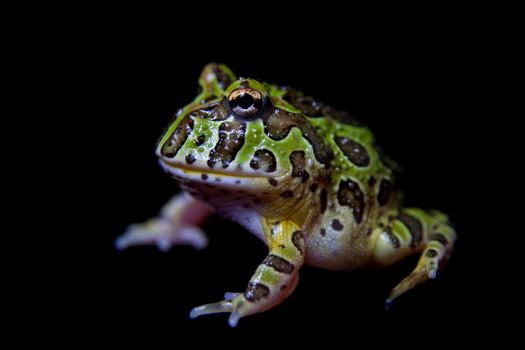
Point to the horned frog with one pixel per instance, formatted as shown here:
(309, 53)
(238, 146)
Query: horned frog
(306, 179)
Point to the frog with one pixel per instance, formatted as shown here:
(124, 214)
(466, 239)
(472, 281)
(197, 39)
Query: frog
(308, 180)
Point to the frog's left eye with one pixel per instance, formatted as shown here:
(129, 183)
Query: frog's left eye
(245, 102)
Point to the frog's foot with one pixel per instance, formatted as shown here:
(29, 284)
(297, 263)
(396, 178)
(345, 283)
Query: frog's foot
(273, 281)
(234, 303)
(414, 230)
(176, 225)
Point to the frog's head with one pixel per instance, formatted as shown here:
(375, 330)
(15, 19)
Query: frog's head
(241, 134)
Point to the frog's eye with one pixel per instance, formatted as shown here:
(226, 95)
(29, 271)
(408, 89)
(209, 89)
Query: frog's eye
(245, 102)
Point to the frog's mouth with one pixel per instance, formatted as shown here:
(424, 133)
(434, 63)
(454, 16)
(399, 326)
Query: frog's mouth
(233, 177)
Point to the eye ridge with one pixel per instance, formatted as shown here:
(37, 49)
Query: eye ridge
(245, 102)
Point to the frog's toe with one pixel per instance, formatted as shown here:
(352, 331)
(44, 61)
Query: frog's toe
(234, 303)
(163, 234)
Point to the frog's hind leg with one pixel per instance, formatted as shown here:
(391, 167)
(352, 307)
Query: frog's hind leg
(411, 231)
(178, 223)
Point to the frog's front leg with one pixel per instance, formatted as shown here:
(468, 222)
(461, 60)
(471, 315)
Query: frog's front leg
(177, 223)
(275, 278)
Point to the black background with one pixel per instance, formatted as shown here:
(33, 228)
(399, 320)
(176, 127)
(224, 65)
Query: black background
(415, 93)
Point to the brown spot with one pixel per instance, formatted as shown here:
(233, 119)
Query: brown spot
(257, 201)
(323, 232)
(213, 111)
(279, 264)
(278, 123)
(298, 241)
(256, 292)
(336, 225)
(439, 238)
(350, 194)
(369, 232)
(385, 192)
(264, 159)
(231, 139)
(340, 116)
(313, 187)
(306, 104)
(200, 140)
(204, 177)
(272, 181)
(392, 237)
(299, 165)
(223, 79)
(324, 200)
(431, 253)
(354, 151)
(177, 138)
(389, 163)
(287, 194)
(414, 227)
(190, 158)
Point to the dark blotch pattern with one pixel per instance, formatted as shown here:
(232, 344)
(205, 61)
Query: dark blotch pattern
(323, 232)
(440, 238)
(355, 152)
(200, 140)
(337, 225)
(204, 177)
(313, 187)
(177, 139)
(190, 158)
(223, 79)
(279, 264)
(393, 238)
(278, 123)
(231, 139)
(414, 227)
(324, 200)
(350, 194)
(371, 181)
(272, 181)
(340, 116)
(256, 292)
(298, 241)
(306, 104)
(298, 161)
(385, 192)
(263, 159)
(313, 109)
(287, 194)
(213, 111)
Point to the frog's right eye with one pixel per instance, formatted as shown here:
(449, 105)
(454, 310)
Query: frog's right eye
(245, 102)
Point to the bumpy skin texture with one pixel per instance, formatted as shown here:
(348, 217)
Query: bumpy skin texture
(306, 179)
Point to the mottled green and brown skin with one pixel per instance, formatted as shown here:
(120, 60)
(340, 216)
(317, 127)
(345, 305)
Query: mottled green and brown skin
(306, 179)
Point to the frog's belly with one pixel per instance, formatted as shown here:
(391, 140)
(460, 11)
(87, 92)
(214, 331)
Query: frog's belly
(341, 252)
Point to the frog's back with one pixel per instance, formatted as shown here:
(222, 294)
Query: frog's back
(358, 190)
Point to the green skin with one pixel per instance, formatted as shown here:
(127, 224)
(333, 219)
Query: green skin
(304, 178)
